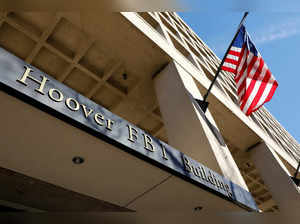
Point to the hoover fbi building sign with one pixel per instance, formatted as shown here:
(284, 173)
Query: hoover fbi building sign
(39, 89)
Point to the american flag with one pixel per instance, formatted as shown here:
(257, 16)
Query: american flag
(254, 81)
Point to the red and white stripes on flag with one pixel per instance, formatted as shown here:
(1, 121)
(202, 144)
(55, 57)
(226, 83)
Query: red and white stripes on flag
(254, 81)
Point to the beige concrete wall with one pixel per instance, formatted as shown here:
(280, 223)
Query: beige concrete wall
(187, 129)
(277, 178)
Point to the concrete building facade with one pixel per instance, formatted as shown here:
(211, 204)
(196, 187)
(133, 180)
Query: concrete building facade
(99, 114)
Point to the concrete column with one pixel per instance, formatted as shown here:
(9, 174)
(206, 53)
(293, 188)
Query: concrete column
(276, 177)
(188, 128)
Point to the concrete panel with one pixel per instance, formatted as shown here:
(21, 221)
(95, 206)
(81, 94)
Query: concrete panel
(41, 146)
(175, 195)
(277, 178)
(188, 128)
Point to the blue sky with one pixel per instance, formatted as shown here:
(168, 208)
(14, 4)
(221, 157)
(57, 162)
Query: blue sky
(276, 34)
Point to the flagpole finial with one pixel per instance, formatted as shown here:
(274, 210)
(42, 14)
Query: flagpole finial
(243, 19)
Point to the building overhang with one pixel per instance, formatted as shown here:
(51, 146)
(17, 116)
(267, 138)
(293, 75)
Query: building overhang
(123, 165)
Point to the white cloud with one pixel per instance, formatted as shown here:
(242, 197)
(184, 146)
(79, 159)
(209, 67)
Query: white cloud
(276, 32)
(279, 29)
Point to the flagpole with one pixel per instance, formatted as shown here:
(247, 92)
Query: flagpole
(203, 104)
